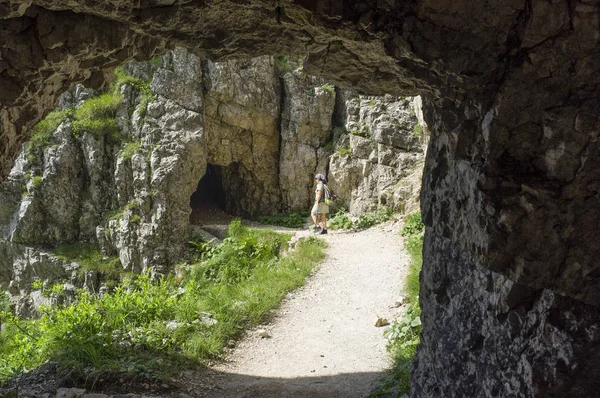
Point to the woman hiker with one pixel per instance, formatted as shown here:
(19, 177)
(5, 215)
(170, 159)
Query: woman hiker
(320, 209)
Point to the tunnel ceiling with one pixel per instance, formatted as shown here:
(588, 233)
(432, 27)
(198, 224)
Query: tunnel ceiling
(447, 48)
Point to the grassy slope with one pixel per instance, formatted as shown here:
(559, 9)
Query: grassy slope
(151, 329)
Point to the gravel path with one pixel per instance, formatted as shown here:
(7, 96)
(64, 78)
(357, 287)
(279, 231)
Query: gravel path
(323, 342)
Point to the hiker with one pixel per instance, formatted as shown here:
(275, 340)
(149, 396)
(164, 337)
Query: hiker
(320, 209)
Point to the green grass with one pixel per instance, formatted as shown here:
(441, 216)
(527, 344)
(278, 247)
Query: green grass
(344, 151)
(130, 148)
(151, 328)
(87, 256)
(285, 64)
(37, 182)
(117, 214)
(404, 334)
(41, 136)
(97, 116)
(293, 220)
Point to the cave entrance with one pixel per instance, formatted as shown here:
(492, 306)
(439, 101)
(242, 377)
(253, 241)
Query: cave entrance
(208, 201)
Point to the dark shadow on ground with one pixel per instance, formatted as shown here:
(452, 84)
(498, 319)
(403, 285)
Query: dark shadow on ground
(205, 383)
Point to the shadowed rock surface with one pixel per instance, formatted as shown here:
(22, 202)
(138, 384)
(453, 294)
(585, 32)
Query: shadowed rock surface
(510, 191)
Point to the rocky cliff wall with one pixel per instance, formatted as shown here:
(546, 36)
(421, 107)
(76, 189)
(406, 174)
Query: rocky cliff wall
(125, 189)
(511, 92)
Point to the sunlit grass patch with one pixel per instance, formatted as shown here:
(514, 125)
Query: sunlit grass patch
(152, 328)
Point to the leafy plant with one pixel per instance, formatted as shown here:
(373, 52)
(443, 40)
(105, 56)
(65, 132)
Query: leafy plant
(37, 182)
(88, 257)
(328, 88)
(292, 220)
(286, 64)
(342, 220)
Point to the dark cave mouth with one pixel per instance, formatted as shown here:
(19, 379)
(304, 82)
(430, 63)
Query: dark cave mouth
(208, 202)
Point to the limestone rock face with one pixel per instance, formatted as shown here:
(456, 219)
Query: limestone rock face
(242, 114)
(308, 106)
(373, 165)
(264, 133)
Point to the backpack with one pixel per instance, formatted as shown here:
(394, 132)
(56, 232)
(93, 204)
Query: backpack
(330, 196)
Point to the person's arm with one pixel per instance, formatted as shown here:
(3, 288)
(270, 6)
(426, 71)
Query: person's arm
(318, 196)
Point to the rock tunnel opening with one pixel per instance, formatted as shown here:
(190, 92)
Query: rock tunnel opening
(209, 197)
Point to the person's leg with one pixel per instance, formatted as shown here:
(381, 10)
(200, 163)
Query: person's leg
(315, 216)
(324, 222)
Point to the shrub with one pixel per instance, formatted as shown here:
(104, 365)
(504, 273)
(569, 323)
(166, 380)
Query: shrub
(341, 219)
(36, 182)
(417, 130)
(292, 220)
(285, 64)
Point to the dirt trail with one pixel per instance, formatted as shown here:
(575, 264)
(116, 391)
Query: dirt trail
(323, 340)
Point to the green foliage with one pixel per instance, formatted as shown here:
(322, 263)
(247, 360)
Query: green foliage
(413, 224)
(404, 334)
(37, 284)
(292, 220)
(344, 151)
(37, 182)
(342, 220)
(371, 103)
(364, 132)
(328, 88)
(139, 84)
(377, 217)
(130, 148)
(41, 137)
(135, 219)
(87, 256)
(238, 255)
(153, 328)
(117, 214)
(285, 64)
(97, 116)
(156, 61)
(417, 130)
(310, 92)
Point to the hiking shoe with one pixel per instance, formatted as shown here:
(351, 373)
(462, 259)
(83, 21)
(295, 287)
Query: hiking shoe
(317, 230)
(323, 232)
